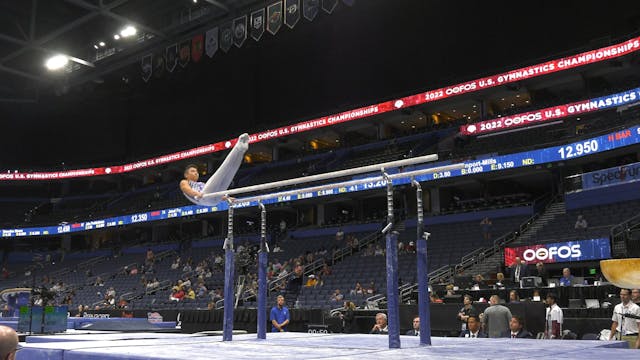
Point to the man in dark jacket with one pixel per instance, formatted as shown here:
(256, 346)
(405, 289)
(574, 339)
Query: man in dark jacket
(473, 328)
(516, 329)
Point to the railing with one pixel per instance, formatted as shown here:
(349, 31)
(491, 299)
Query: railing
(620, 235)
(348, 250)
(91, 261)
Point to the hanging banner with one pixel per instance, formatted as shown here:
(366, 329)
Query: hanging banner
(310, 9)
(292, 12)
(172, 57)
(240, 30)
(211, 42)
(197, 44)
(274, 16)
(185, 53)
(226, 36)
(147, 67)
(349, 2)
(329, 5)
(257, 24)
(158, 65)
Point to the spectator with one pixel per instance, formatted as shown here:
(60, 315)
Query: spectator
(635, 296)
(337, 296)
(294, 284)
(486, 225)
(279, 316)
(541, 272)
(190, 294)
(500, 282)
(581, 223)
(380, 327)
(518, 270)
(415, 331)
(357, 290)
(372, 288)
(478, 282)
(411, 247)
(514, 298)
(554, 318)
(339, 234)
(467, 310)
(434, 298)
(516, 329)
(8, 343)
(378, 251)
(496, 318)
(312, 281)
(566, 279)
(624, 325)
(347, 315)
(473, 328)
(176, 264)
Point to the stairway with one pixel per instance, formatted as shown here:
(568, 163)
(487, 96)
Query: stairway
(549, 214)
(488, 266)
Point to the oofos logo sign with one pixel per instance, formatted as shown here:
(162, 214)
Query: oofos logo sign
(549, 254)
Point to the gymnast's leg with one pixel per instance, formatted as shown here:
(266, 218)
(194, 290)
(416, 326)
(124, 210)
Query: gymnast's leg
(223, 177)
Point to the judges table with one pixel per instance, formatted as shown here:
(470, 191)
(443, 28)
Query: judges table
(564, 293)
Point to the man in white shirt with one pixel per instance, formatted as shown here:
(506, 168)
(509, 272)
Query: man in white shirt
(554, 316)
(625, 320)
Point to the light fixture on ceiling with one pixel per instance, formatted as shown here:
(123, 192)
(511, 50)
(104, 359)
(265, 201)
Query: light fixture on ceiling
(128, 31)
(57, 62)
(116, 36)
(102, 44)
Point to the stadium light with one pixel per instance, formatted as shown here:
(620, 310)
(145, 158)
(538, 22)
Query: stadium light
(57, 62)
(116, 36)
(128, 31)
(95, 47)
(102, 44)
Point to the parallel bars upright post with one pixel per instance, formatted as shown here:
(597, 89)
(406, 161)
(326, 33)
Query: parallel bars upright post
(263, 255)
(229, 278)
(424, 305)
(393, 312)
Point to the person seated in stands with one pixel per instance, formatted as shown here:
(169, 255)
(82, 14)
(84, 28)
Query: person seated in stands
(566, 279)
(111, 291)
(514, 298)
(337, 297)
(312, 281)
(379, 251)
(190, 294)
(380, 327)
(339, 234)
(371, 289)
(186, 283)
(98, 282)
(369, 251)
(435, 299)
(326, 270)
(517, 329)
(357, 290)
(581, 223)
(473, 328)
(202, 291)
(122, 303)
(187, 266)
(177, 294)
(411, 247)
(176, 264)
(150, 256)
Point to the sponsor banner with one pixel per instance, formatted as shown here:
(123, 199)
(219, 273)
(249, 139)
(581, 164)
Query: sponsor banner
(185, 53)
(158, 65)
(551, 113)
(580, 250)
(611, 176)
(585, 58)
(598, 144)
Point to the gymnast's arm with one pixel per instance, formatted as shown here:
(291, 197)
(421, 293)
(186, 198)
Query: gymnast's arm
(184, 186)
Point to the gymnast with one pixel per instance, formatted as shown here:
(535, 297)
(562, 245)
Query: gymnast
(195, 190)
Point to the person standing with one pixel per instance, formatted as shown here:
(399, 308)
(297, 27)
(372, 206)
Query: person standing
(496, 318)
(279, 316)
(626, 320)
(554, 318)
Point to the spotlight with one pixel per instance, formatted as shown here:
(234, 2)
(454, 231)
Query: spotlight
(116, 36)
(102, 44)
(57, 62)
(95, 47)
(128, 31)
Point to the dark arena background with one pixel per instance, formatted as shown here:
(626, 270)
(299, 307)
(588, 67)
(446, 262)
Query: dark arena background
(407, 162)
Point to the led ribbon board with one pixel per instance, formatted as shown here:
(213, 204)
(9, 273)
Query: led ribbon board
(615, 140)
(549, 67)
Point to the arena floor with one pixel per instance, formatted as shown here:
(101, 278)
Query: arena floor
(103, 346)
